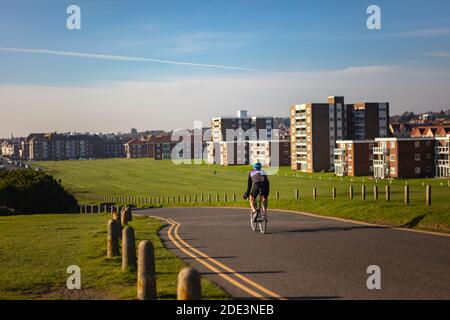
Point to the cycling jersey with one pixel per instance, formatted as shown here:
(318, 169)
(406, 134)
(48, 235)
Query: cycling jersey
(258, 179)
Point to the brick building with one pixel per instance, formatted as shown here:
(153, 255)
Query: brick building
(315, 128)
(135, 148)
(443, 157)
(404, 158)
(354, 158)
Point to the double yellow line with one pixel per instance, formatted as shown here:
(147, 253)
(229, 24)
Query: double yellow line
(242, 282)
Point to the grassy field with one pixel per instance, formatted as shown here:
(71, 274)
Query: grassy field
(149, 178)
(36, 250)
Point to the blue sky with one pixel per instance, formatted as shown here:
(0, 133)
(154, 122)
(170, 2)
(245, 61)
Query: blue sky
(266, 36)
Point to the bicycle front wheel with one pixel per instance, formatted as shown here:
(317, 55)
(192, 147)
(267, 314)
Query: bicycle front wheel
(252, 221)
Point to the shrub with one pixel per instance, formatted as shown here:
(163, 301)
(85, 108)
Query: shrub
(30, 191)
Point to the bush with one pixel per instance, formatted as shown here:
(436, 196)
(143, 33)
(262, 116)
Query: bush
(30, 191)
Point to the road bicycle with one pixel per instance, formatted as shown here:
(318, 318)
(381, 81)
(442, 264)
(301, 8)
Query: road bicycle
(259, 219)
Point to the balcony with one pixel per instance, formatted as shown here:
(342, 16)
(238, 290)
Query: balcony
(443, 163)
(380, 150)
(339, 163)
(339, 152)
(380, 163)
(442, 150)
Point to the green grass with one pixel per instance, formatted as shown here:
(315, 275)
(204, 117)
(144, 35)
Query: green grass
(36, 250)
(149, 178)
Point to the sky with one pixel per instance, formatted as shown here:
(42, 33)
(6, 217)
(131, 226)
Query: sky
(164, 64)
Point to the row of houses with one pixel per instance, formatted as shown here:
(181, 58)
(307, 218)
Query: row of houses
(70, 146)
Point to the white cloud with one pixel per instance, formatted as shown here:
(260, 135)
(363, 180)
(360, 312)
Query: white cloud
(174, 103)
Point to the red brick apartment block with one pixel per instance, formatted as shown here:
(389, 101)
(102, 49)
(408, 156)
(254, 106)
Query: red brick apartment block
(354, 158)
(404, 158)
(135, 148)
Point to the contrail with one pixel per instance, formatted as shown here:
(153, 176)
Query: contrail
(119, 58)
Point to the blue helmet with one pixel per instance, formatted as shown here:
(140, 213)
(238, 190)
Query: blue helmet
(257, 166)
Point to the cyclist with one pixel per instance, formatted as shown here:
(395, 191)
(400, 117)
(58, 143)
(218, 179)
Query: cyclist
(258, 181)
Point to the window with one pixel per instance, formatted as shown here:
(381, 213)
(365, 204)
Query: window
(417, 157)
(392, 157)
(371, 157)
(417, 170)
(393, 170)
(371, 146)
(428, 156)
(428, 143)
(350, 157)
(417, 144)
(392, 145)
(428, 169)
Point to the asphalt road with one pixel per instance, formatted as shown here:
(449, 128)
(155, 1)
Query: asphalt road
(306, 257)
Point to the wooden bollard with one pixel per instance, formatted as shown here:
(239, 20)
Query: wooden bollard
(428, 196)
(334, 193)
(195, 198)
(406, 194)
(189, 287)
(81, 209)
(123, 217)
(112, 248)
(350, 192)
(201, 197)
(128, 249)
(217, 197)
(388, 193)
(225, 197)
(277, 194)
(234, 197)
(314, 193)
(363, 192)
(375, 192)
(296, 193)
(146, 279)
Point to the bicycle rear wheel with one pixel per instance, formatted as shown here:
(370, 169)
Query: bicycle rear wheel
(262, 222)
(252, 221)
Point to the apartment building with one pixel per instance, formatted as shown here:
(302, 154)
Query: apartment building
(135, 148)
(228, 153)
(443, 156)
(270, 153)
(354, 158)
(10, 149)
(404, 158)
(430, 131)
(315, 128)
(261, 127)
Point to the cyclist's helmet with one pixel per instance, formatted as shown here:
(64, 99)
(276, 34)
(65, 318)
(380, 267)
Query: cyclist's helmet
(257, 166)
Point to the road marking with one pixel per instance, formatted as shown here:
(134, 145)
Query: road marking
(174, 226)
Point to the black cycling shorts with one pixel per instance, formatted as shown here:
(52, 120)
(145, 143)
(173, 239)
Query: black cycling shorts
(254, 192)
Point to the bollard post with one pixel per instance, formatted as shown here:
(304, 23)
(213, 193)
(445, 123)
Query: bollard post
(217, 197)
(388, 193)
(112, 247)
(201, 197)
(350, 192)
(92, 209)
(296, 193)
(81, 209)
(406, 194)
(363, 192)
(209, 197)
(314, 193)
(128, 249)
(428, 196)
(234, 197)
(189, 287)
(277, 195)
(334, 193)
(225, 197)
(146, 279)
(375, 192)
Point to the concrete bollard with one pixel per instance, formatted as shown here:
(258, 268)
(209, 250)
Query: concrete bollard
(334, 193)
(314, 193)
(112, 247)
(375, 192)
(123, 217)
(146, 278)
(128, 249)
(189, 287)
(388, 193)
(363, 192)
(350, 192)
(406, 194)
(428, 196)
